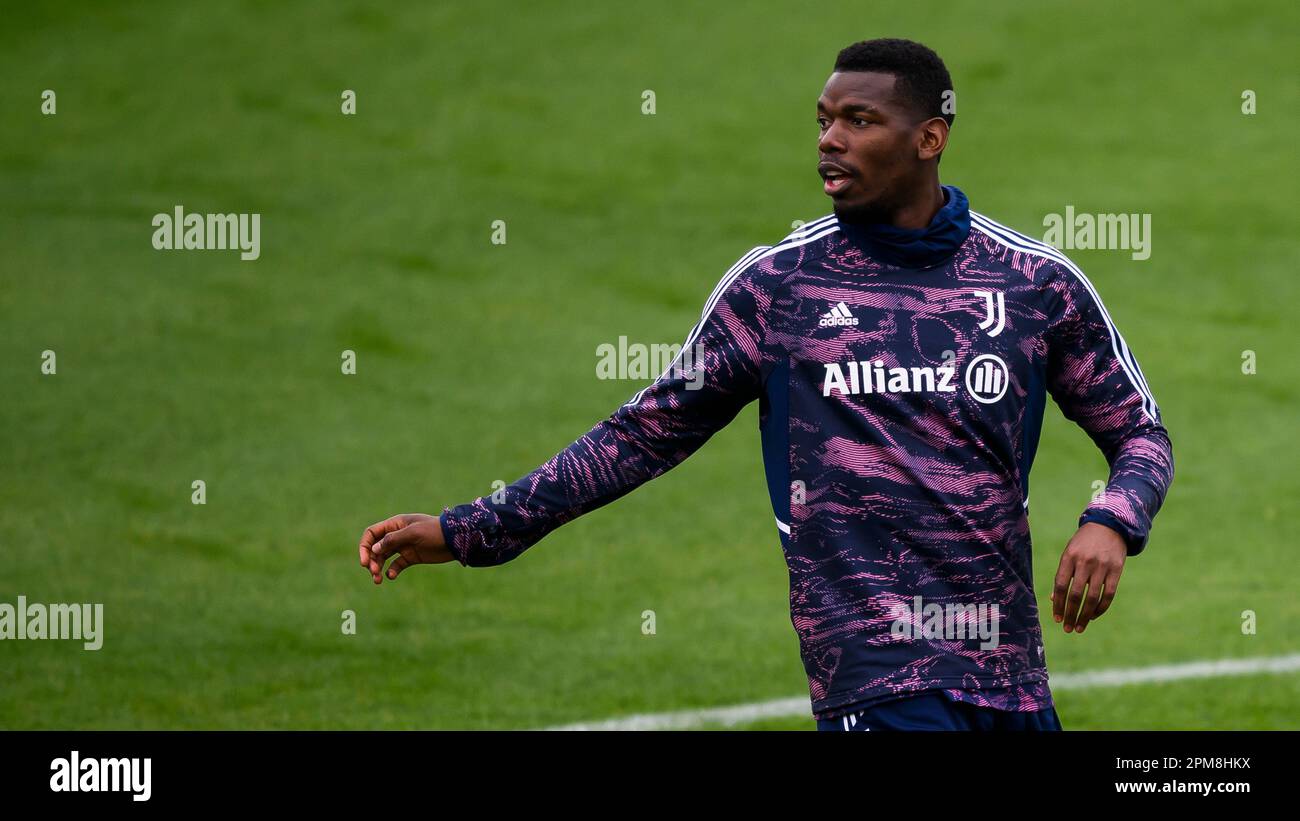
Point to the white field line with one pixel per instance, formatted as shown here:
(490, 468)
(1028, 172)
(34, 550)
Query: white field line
(800, 707)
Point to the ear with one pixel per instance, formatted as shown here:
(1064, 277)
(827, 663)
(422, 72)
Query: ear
(932, 138)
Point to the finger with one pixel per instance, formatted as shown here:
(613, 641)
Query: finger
(368, 562)
(1061, 585)
(400, 563)
(1074, 599)
(1091, 599)
(392, 543)
(376, 532)
(407, 556)
(1108, 594)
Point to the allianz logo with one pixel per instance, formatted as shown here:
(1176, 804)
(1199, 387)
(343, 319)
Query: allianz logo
(986, 379)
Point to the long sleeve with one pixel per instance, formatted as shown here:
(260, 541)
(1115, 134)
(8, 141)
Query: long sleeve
(717, 373)
(1096, 381)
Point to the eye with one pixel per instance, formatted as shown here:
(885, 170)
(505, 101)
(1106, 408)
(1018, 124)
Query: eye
(858, 121)
(821, 122)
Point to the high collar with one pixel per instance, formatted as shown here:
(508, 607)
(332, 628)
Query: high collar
(920, 248)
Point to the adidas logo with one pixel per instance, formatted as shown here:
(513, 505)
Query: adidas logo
(839, 315)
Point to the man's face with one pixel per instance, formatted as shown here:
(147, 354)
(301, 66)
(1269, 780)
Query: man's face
(867, 151)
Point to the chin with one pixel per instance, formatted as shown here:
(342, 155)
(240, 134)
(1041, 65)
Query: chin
(859, 210)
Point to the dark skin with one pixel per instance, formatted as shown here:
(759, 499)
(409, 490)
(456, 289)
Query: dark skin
(889, 152)
(882, 158)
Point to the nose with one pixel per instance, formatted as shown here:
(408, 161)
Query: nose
(831, 141)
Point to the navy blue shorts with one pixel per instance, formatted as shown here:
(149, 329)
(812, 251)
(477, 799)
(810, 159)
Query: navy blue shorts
(935, 711)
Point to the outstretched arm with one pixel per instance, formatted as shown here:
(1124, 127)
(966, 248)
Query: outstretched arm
(719, 371)
(1095, 379)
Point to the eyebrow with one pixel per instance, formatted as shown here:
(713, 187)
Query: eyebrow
(849, 107)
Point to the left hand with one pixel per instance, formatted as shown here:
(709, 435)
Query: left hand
(1094, 558)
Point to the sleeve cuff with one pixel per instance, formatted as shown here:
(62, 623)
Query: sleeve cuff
(447, 522)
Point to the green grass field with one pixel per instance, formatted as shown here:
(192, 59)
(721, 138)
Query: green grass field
(476, 362)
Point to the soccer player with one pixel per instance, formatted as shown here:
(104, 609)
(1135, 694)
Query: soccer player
(901, 350)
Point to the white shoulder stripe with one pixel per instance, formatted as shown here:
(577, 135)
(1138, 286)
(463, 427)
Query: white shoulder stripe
(743, 264)
(1024, 244)
(1054, 253)
(810, 227)
(1008, 237)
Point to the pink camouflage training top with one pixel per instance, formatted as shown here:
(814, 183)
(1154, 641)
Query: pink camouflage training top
(901, 379)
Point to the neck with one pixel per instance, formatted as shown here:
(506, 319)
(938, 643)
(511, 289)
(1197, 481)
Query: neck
(912, 215)
(921, 210)
(924, 233)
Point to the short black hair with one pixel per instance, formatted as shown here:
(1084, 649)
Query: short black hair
(921, 78)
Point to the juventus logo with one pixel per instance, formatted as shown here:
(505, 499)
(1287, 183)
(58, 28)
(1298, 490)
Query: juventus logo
(997, 316)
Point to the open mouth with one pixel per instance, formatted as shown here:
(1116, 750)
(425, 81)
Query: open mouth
(834, 185)
(834, 178)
